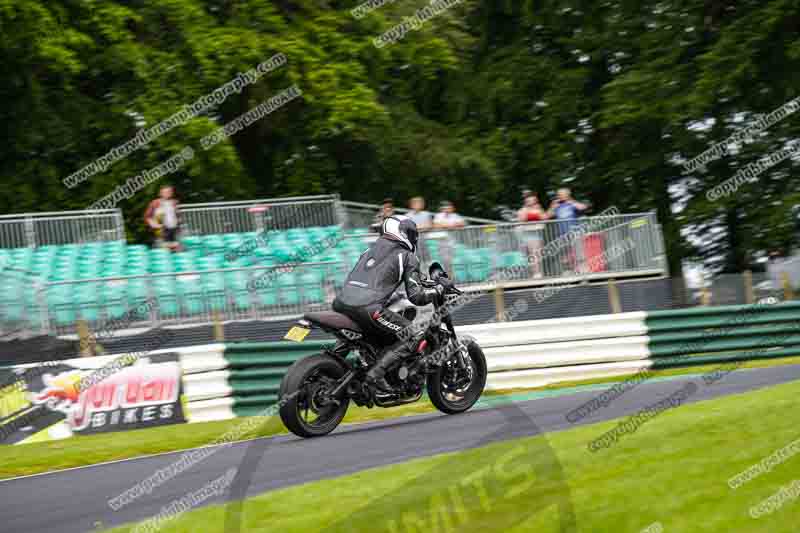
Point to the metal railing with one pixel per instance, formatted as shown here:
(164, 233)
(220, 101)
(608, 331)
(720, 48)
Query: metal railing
(361, 215)
(478, 257)
(40, 229)
(256, 215)
(184, 298)
(785, 269)
(590, 247)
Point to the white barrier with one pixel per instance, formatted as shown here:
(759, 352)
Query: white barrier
(531, 332)
(519, 355)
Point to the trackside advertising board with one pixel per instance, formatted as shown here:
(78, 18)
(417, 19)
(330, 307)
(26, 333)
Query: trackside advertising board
(51, 401)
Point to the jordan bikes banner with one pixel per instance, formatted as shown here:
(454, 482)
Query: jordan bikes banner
(56, 400)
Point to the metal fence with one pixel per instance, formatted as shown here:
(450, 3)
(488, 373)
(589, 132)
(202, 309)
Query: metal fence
(591, 247)
(785, 270)
(180, 298)
(361, 215)
(521, 254)
(255, 215)
(41, 229)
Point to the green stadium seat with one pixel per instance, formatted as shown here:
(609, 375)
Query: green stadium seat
(113, 294)
(287, 288)
(190, 293)
(309, 282)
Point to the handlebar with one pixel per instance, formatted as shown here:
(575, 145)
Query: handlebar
(429, 283)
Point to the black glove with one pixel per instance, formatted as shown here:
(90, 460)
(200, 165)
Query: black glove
(447, 283)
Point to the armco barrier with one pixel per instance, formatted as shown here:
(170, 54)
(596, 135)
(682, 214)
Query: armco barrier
(537, 353)
(241, 379)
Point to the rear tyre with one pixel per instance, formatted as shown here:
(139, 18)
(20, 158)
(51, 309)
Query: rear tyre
(453, 389)
(304, 411)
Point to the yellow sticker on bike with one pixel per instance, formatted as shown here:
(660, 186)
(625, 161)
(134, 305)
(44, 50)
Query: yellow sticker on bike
(297, 334)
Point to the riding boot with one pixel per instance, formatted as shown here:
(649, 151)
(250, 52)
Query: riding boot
(376, 374)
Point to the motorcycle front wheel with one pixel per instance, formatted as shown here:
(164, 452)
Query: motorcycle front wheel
(454, 389)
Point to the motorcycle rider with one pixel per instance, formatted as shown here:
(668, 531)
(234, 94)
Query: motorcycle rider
(389, 262)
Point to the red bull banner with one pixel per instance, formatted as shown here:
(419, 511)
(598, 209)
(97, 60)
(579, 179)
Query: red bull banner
(69, 398)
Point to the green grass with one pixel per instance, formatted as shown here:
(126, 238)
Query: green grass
(41, 457)
(673, 470)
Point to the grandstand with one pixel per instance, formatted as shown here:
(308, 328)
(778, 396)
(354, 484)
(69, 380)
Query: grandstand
(262, 259)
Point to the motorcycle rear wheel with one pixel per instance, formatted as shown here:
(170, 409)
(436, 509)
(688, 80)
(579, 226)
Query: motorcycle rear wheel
(302, 390)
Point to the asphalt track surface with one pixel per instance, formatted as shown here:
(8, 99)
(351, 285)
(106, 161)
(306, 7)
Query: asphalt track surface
(76, 500)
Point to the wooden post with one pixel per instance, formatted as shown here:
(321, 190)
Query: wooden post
(85, 338)
(613, 297)
(705, 296)
(749, 295)
(219, 328)
(788, 292)
(705, 290)
(499, 302)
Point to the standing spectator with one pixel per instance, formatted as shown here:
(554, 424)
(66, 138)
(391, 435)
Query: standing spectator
(418, 214)
(447, 218)
(566, 210)
(387, 210)
(533, 234)
(162, 216)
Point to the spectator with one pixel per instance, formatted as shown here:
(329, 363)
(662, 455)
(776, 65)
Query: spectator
(447, 218)
(163, 217)
(533, 234)
(418, 214)
(387, 210)
(566, 210)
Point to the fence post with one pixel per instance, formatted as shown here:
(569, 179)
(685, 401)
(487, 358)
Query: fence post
(499, 302)
(788, 293)
(613, 296)
(749, 296)
(120, 225)
(339, 209)
(85, 338)
(219, 328)
(30, 233)
(44, 314)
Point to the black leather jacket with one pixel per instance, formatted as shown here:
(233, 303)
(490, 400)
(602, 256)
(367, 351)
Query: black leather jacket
(380, 271)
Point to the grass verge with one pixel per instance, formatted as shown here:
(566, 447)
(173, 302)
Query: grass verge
(673, 471)
(49, 456)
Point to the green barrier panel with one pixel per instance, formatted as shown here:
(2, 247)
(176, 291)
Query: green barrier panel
(254, 386)
(261, 360)
(701, 337)
(752, 318)
(676, 362)
(257, 373)
(254, 409)
(724, 344)
(257, 368)
(719, 310)
(278, 346)
(731, 316)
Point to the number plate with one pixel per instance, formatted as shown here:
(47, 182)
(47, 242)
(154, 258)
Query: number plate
(297, 334)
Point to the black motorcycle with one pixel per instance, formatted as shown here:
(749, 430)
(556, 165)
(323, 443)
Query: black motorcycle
(316, 390)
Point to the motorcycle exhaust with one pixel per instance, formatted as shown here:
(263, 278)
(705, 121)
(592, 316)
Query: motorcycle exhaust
(393, 400)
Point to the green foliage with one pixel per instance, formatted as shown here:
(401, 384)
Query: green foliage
(483, 100)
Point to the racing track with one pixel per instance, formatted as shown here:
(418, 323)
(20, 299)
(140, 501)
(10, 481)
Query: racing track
(75, 500)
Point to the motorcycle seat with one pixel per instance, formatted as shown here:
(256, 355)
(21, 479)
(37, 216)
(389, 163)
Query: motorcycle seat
(332, 320)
